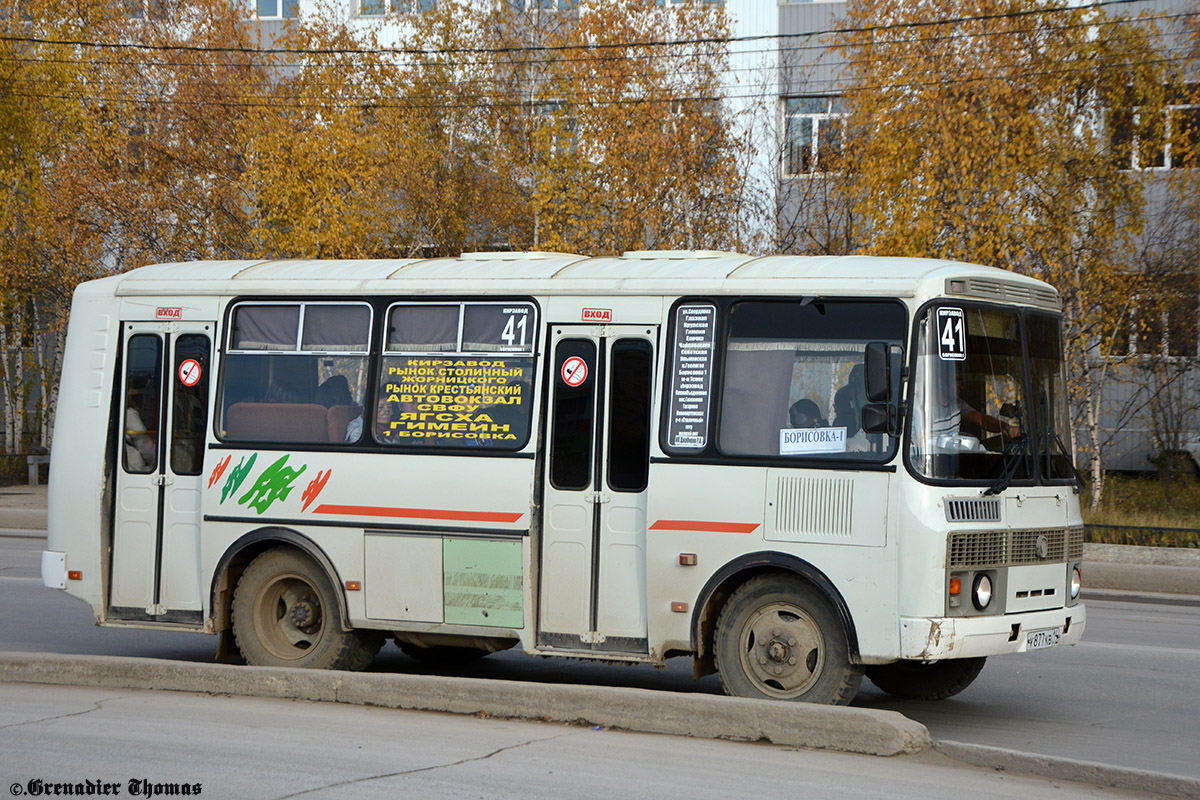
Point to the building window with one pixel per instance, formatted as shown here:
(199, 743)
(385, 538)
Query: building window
(812, 134)
(1163, 326)
(542, 5)
(412, 6)
(560, 120)
(1179, 145)
(146, 9)
(277, 9)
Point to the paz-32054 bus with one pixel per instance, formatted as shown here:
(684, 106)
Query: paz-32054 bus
(794, 470)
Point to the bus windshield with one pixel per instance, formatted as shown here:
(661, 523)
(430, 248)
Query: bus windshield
(1051, 414)
(969, 396)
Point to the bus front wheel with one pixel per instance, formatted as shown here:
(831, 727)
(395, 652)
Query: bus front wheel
(285, 614)
(926, 680)
(778, 637)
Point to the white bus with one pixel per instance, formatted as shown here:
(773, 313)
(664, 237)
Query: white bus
(793, 470)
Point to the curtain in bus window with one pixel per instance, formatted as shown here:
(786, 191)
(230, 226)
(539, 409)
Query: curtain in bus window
(336, 328)
(424, 329)
(265, 327)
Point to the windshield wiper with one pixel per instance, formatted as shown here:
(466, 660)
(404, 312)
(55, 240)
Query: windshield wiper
(1013, 453)
(1056, 439)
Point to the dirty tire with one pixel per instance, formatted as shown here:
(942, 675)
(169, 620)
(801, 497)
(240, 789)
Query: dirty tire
(779, 638)
(926, 680)
(285, 614)
(442, 655)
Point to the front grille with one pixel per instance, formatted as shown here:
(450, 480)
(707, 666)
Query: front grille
(973, 509)
(977, 548)
(1075, 543)
(1010, 548)
(1025, 546)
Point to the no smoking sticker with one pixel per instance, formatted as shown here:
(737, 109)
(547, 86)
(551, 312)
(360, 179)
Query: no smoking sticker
(189, 372)
(574, 371)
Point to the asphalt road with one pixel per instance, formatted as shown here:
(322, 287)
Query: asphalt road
(1125, 696)
(280, 749)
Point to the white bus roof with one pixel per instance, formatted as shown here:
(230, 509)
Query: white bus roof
(640, 272)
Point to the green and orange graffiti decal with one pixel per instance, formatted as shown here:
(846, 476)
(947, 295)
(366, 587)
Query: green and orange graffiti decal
(272, 484)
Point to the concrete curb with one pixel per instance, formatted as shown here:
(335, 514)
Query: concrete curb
(848, 730)
(1003, 760)
(1130, 596)
(1148, 556)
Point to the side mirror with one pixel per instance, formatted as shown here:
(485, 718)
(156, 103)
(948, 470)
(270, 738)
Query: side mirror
(878, 365)
(876, 418)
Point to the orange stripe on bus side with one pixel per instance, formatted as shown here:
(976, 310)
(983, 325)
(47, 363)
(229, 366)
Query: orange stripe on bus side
(701, 525)
(419, 513)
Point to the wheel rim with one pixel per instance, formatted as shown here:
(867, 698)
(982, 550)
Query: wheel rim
(289, 617)
(782, 650)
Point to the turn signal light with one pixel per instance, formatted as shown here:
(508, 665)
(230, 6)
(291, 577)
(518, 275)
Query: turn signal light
(353, 586)
(956, 586)
(678, 607)
(687, 559)
(74, 575)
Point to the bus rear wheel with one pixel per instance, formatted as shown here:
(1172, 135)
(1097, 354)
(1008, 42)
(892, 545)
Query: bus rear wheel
(926, 680)
(285, 614)
(779, 638)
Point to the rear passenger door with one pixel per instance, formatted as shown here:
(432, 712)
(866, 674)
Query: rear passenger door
(592, 592)
(164, 402)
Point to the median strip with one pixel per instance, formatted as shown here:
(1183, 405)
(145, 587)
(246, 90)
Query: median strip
(848, 730)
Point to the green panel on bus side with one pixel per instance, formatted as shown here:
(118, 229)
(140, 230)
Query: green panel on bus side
(483, 583)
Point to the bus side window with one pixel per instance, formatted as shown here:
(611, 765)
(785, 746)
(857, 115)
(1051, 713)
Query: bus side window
(189, 406)
(574, 415)
(140, 417)
(295, 372)
(629, 382)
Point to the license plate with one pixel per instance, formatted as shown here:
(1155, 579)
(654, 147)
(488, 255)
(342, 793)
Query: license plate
(1047, 637)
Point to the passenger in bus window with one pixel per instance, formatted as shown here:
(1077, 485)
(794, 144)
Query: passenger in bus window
(334, 391)
(384, 414)
(847, 411)
(140, 445)
(805, 414)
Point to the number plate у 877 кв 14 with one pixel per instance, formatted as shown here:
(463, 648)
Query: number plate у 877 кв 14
(1046, 637)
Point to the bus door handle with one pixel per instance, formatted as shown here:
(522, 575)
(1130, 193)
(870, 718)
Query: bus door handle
(163, 480)
(598, 497)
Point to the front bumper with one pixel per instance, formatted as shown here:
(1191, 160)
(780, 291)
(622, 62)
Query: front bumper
(54, 569)
(926, 639)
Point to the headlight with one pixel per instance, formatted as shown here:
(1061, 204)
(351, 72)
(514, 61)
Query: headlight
(1076, 582)
(981, 591)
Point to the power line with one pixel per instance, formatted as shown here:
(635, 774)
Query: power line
(563, 47)
(761, 69)
(784, 50)
(374, 101)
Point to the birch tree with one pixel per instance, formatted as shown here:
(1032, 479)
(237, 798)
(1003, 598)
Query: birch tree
(984, 132)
